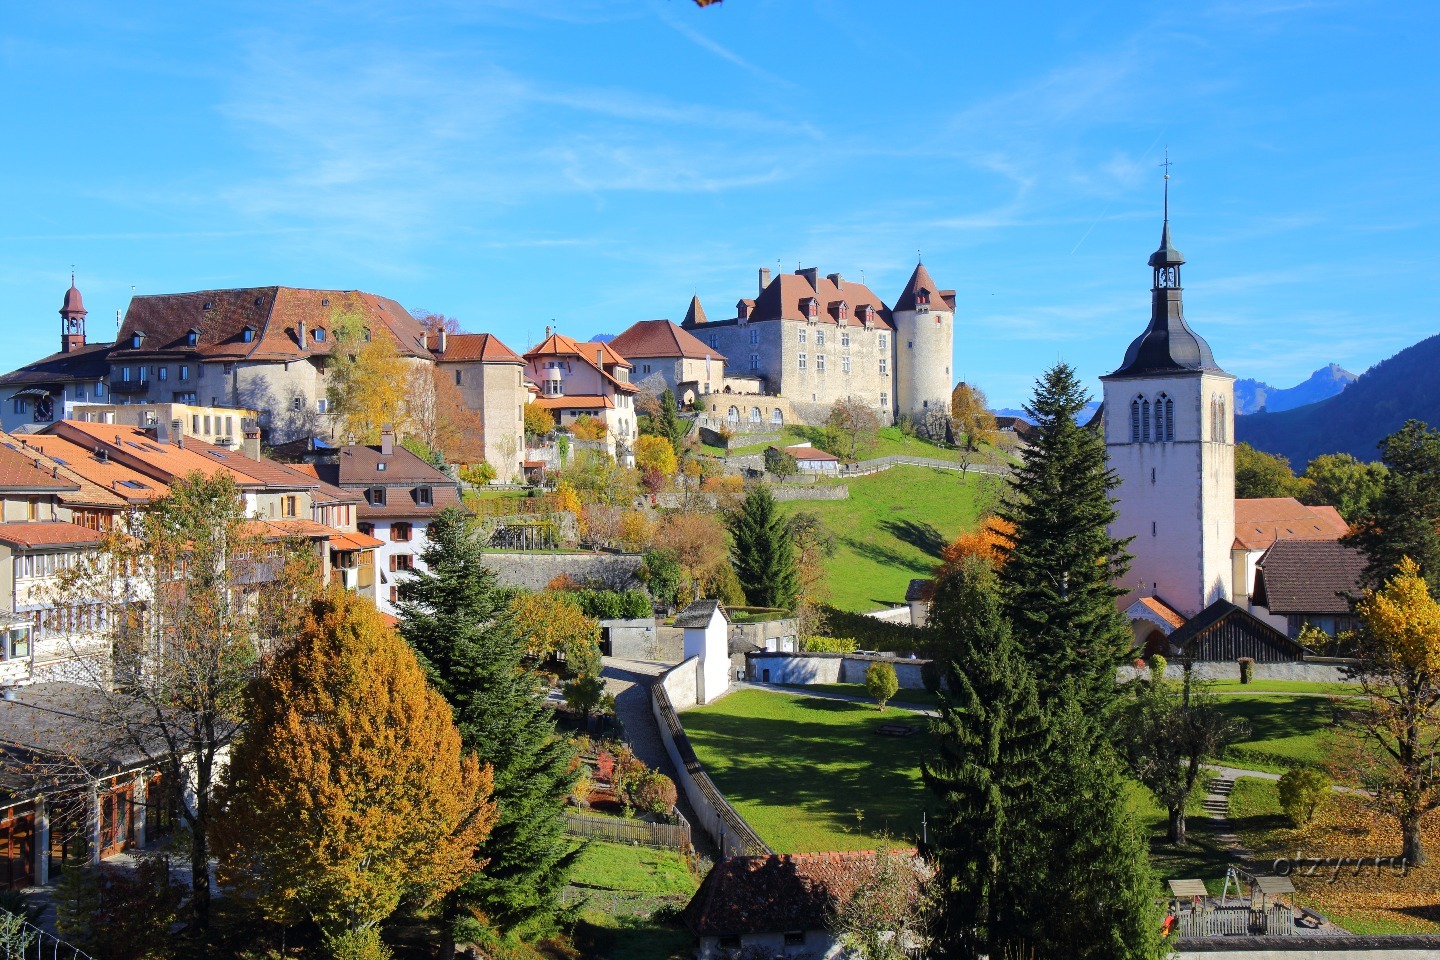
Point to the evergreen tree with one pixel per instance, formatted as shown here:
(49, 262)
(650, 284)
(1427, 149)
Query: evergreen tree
(667, 421)
(1087, 890)
(763, 552)
(458, 621)
(1063, 565)
(1404, 520)
(990, 738)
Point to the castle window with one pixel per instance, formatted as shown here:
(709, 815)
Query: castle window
(776, 417)
(733, 415)
(1145, 421)
(755, 415)
(754, 336)
(754, 361)
(845, 364)
(884, 399)
(714, 340)
(819, 338)
(1135, 420)
(319, 335)
(884, 367)
(247, 335)
(192, 338)
(801, 361)
(164, 373)
(883, 342)
(801, 336)
(1160, 418)
(184, 371)
(845, 340)
(820, 363)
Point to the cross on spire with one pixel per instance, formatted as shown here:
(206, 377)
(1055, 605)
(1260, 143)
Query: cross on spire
(1166, 165)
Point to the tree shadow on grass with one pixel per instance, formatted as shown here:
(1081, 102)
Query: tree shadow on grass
(885, 556)
(921, 536)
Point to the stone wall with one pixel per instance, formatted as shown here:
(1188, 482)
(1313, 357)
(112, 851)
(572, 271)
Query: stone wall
(729, 831)
(786, 492)
(808, 668)
(532, 571)
(630, 639)
(1310, 670)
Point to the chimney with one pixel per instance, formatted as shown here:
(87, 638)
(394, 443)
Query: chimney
(251, 446)
(387, 440)
(300, 333)
(811, 275)
(442, 338)
(764, 278)
(162, 432)
(177, 431)
(835, 278)
(547, 331)
(600, 357)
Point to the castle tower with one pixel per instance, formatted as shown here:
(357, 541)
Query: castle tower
(1168, 419)
(924, 319)
(72, 319)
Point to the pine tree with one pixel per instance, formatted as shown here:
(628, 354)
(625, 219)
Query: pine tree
(457, 619)
(667, 423)
(990, 736)
(348, 790)
(763, 552)
(1060, 577)
(1404, 520)
(1087, 890)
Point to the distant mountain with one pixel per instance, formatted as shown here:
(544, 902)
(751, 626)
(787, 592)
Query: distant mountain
(602, 338)
(1407, 386)
(1083, 416)
(1252, 396)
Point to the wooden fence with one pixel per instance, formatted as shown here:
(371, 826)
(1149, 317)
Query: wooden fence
(674, 836)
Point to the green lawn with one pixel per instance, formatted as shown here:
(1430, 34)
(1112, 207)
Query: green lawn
(810, 774)
(601, 936)
(889, 442)
(1282, 686)
(892, 530)
(1285, 732)
(907, 698)
(1202, 857)
(617, 866)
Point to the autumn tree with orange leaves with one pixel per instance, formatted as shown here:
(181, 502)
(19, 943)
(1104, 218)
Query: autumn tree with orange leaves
(989, 541)
(1398, 647)
(347, 792)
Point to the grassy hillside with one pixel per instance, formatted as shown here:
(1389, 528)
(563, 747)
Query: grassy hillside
(891, 530)
(1404, 387)
(889, 442)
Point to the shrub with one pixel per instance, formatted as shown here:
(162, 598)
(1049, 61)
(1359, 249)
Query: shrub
(1247, 669)
(629, 771)
(120, 915)
(1302, 791)
(655, 793)
(358, 945)
(580, 792)
(662, 574)
(605, 766)
(881, 683)
(635, 605)
(827, 645)
(478, 474)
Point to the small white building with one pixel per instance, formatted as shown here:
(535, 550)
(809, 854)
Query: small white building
(707, 636)
(814, 460)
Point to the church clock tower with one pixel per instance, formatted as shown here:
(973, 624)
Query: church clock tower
(1168, 421)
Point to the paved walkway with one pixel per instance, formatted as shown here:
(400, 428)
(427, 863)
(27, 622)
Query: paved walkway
(629, 681)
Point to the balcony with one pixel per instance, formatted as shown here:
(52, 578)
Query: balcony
(130, 386)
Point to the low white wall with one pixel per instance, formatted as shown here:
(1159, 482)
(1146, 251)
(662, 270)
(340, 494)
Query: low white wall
(1317, 670)
(807, 668)
(729, 831)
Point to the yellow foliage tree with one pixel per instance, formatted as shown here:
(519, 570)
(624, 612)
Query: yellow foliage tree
(1398, 648)
(655, 453)
(970, 413)
(636, 530)
(367, 379)
(588, 428)
(552, 623)
(539, 422)
(347, 791)
(990, 541)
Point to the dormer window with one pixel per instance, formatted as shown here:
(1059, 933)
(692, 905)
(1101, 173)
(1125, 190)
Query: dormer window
(742, 309)
(424, 497)
(209, 305)
(247, 335)
(192, 337)
(136, 339)
(922, 299)
(380, 466)
(812, 308)
(319, 335)
(376, 496)
(367, 334)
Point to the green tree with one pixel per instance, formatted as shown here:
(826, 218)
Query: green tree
(780, 464)
(348, 791)
(881, 683)
(1261, 474)
(668, 423)
(1063, 564)
(1171, 730)
(457, 618)
(763, 552)
(990, 739)
(856, 424)
(1404, 520)
(662, 575)
(1341, 481)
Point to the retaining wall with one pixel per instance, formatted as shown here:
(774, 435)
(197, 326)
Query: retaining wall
(1310, 670)
(533, 571)
(785, 492)
(731, 834)
(808, 668)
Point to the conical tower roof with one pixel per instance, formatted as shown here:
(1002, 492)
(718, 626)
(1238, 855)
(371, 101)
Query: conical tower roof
(73, 305)
(919, 280)
(695, 315)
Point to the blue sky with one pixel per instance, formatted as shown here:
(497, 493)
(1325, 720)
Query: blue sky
(517, 162)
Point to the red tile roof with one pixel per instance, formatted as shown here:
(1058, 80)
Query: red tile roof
(1261, 521)
(102, 482)
(695, 314)
(577, 402)
(661, 338)
(920, 281)
(597, 356)
(140, 451)
(1309, 576)
(776, 894)
(273, 313)
(354, 541)
(785, 298)
(484, 347)
(47, 533)
(812, 453)
(20, 473)
(1163, 610)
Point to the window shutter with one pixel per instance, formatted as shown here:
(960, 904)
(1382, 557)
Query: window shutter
(392, 563)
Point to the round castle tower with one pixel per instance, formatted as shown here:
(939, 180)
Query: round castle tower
(924, 319)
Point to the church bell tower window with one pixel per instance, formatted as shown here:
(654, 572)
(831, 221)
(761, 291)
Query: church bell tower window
(1135, 420)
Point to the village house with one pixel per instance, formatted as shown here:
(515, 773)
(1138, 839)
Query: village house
(1301, 583)
(222, 426)
(402, 493)
(490, 378)
(660, 349)
(586, 380)
(813, 460)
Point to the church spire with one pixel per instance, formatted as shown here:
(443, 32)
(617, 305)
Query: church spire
(1166, 260)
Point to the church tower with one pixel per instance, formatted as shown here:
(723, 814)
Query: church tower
(1168, 421)
(924, 318)
(72, 319)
